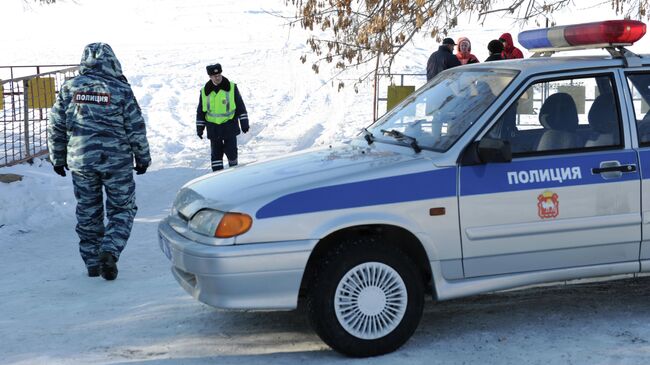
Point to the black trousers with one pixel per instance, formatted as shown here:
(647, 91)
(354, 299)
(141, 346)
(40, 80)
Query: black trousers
(219, 146)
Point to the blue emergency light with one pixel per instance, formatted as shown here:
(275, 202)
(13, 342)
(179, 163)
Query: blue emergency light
(587, 35)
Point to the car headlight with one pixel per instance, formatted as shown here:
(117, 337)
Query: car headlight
(214, 223)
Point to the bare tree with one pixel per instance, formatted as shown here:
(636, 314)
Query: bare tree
(359, 31)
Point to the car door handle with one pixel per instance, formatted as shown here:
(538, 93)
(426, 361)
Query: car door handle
(621, 168)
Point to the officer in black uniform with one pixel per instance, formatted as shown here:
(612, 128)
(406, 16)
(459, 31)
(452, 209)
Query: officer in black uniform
(221, 111)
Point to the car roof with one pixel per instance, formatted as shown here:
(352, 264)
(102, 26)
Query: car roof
(558, 64)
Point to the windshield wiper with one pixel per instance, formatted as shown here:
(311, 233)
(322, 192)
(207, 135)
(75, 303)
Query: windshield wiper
(368, 136)
(400, 136)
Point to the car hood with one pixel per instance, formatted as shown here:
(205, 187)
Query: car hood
(257, 183)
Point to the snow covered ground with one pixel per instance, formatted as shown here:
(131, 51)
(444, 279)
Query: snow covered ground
(52, 313)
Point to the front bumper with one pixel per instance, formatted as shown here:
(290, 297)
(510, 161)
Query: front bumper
(261, 276)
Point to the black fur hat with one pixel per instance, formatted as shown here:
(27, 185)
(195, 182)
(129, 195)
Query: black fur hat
(213, 69)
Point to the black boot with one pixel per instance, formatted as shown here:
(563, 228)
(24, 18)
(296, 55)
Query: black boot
(94, 271)
(108, 266)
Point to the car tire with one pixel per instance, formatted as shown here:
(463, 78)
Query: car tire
(366, 298)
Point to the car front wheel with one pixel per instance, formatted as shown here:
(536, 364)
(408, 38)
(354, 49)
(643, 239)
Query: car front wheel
(366, 298)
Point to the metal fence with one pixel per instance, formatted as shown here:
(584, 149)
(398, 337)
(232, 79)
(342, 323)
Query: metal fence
(27, 96)
(383, 80)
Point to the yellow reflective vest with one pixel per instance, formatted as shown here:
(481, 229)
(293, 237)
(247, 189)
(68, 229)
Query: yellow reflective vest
(219, 107)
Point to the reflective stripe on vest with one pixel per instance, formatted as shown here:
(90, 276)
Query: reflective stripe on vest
(219, 107)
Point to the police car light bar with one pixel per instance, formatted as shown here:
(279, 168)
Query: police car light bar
(609, 33)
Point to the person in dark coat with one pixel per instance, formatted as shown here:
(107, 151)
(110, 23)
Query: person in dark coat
(494, 48)
(221, 111)
(442, 59)
(509, 50)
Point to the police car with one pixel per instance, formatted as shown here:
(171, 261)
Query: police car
(491, 176)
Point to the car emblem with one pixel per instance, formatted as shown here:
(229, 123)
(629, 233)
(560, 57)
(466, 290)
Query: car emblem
(548, 205)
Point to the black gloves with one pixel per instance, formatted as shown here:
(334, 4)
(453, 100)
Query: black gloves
(61, 169)
(199, 131)
(244, 129)
(140, 169)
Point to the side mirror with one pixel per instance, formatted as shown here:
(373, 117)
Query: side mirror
(494, 150)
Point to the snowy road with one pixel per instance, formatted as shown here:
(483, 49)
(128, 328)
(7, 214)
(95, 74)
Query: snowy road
(54, 314)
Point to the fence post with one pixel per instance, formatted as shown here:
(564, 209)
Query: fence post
(26, 116)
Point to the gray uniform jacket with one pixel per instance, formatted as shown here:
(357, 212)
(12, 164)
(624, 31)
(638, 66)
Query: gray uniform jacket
(96, 123)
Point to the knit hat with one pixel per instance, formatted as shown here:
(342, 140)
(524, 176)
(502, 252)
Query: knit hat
(213, 69)
(448, 41)
(495, 46)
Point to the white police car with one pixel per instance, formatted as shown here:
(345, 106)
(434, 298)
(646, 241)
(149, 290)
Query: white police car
(491, 176)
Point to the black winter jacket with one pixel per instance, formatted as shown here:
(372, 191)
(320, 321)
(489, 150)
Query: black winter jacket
(494, 57)
(440, 60)
(229, 128)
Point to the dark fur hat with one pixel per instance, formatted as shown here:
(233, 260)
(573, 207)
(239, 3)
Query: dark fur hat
(213, 69)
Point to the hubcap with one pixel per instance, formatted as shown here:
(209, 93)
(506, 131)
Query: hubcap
(370, 300)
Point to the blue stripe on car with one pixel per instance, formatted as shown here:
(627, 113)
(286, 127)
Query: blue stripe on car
(493, 178)
(479, 179)
(644, 155)
(393, 189)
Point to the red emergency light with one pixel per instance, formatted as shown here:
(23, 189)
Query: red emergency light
(598, 34)
(610, 31)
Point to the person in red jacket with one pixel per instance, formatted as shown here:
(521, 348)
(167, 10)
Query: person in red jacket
(463, 51)
(509, 49)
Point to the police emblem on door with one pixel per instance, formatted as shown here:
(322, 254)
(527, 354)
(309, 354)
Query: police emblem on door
(548, 205)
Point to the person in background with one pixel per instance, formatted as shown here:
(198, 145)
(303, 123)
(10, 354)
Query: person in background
(221, 111)
(494, 48)
(463, 51)
(509, 49)
(96, 130)
(442, 59)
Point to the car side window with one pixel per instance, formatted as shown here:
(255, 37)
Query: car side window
(562, 116)
(640, 88)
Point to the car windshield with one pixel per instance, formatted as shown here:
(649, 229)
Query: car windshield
(437, 115)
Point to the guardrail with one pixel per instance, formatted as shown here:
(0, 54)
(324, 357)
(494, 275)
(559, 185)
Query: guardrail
(24, 109)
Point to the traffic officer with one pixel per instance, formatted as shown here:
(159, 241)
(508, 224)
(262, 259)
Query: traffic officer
(221, 111)
(96, 130)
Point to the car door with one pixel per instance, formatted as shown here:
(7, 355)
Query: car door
(638, 97)
(571, 194)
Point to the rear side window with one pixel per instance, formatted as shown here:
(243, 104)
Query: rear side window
(640, 87)
(562, 116)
